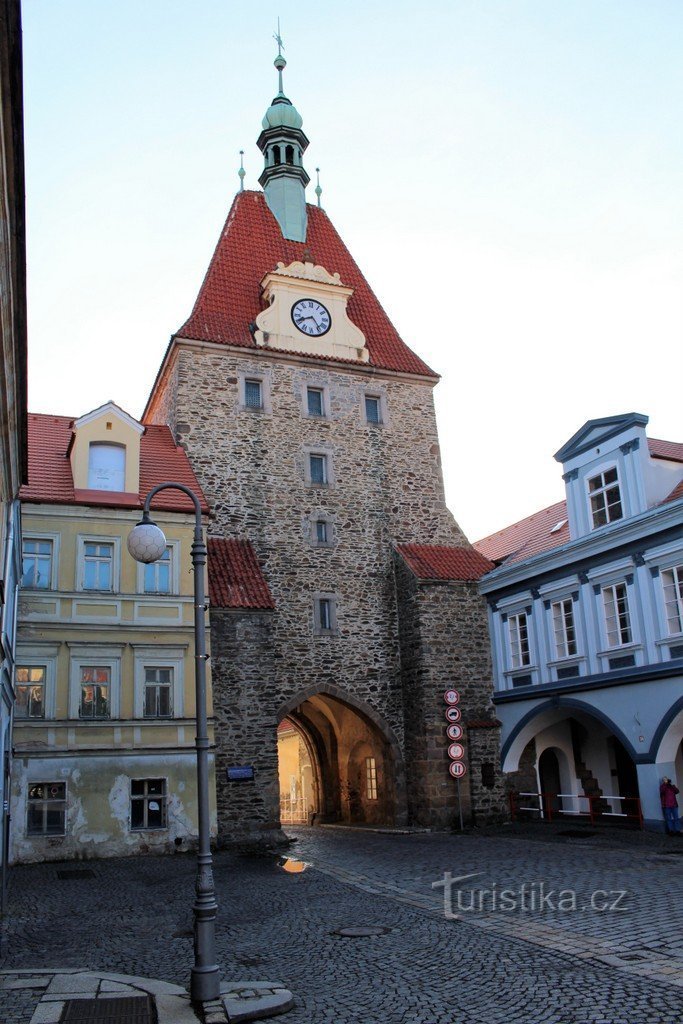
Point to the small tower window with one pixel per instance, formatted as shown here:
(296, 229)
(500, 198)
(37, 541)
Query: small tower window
(107, 467)
(277, 159)
(289, 155)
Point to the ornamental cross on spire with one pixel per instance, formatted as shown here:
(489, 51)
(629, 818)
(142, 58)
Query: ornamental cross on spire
(278, 39)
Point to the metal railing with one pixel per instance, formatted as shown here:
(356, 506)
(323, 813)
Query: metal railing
(292, 812)
(582, 805)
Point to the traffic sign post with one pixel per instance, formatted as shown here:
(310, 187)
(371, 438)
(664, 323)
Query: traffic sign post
(456, 751)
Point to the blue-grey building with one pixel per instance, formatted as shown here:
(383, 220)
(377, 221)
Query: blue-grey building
(586, 624)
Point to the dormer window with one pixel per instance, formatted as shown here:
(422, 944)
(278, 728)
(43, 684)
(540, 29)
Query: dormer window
(107, 467)
(605, 498)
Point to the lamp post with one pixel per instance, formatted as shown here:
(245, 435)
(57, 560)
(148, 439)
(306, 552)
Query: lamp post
(147, 543)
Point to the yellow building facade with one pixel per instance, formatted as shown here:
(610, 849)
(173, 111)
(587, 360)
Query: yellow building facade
(104, 757)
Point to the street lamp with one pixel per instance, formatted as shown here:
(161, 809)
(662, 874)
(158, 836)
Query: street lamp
(147, 543)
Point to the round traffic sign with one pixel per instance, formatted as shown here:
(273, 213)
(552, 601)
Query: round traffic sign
(457, 769)
(453, 714)
(454, 732)
(451, 697)
(456, 751)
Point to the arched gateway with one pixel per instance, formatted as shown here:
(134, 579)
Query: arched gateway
(338, 761)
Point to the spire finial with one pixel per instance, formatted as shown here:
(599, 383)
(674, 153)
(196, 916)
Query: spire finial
(318, 190)
(241, 171)
(280, 62)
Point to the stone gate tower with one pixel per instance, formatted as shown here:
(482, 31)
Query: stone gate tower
(343, 592)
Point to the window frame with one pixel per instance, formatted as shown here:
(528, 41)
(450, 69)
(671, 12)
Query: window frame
(379, 395)
(117, 445)
(174, 574)
(325, 453)
(155, 657)
(311, 530)
(590, 495)
(323, 391)
(367, 397)
(21, 667)
(41, 655)
(676, 573)
(144, 799)
(563, 603)
(81, 542)
(611, 588)
(264, 379)
(53, 538)
(331, 601)
(45, 802)
(96, 657)
(517, 638)
(371, 779)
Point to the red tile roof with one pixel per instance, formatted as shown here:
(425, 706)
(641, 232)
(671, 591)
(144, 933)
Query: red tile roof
(235, 576)
(535, 534)
(671, 450)
(439, 562)
(529, 536)
(50, 479)
(250, 246)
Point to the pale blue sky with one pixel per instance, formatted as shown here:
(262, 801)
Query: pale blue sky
(508, 176)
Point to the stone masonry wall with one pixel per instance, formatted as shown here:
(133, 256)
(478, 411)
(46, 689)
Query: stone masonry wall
(386, 488)
(444, 643)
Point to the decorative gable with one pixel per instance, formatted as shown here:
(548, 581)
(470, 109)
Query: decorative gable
(597, 433)
(105, 451)
(299, 289)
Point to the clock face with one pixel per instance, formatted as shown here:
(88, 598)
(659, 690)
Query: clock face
(311, 317)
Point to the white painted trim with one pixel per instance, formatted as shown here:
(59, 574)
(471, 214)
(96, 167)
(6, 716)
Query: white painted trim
(105, 657)
(159, 657)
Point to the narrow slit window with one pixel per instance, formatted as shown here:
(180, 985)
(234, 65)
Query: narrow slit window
(370, 778)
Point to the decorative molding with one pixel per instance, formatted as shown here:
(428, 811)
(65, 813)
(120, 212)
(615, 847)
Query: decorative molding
(572, 474)
(630, 446)
(638, 558)
(583, 577)
(535, 593)
(308, 272)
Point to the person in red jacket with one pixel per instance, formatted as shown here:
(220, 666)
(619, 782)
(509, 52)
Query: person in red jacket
(668, 793)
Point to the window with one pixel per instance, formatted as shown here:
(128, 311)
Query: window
(617, 620)
(563, 628)
(321, 531)
(147, 803)
(46, 809)
(158, 575)
(519, 640)
(107, 467)
(315, 402)
(158, 692)
(325, 613)
(36, 569)
(370, 778)
(98, 562)
(253, 394)
(373, 409)
(605, 498)
(672, 585)
(95, 691)
(318, 469)
(30, 690)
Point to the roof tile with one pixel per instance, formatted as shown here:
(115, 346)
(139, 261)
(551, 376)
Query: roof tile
(50, 479)
(250, 246)
(441, 562)
(235, 576)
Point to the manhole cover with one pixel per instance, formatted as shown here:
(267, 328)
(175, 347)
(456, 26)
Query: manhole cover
(68, 874)
(127, 1010)
(576, 833)
(361, 931)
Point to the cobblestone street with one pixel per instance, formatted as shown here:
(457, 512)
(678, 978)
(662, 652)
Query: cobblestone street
(530, 966)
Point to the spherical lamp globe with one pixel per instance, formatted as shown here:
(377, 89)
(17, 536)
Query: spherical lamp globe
(146, 542)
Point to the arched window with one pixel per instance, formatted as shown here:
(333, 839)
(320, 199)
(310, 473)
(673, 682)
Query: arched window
(107, 467)
(289, 155)
(277, 159)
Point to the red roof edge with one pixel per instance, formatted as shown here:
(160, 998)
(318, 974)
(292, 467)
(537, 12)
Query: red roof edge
(236, 579)
(444, 562)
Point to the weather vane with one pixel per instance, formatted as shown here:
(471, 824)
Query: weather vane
(241, 171)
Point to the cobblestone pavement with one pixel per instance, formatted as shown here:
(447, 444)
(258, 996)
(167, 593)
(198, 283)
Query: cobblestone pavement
(133, 917)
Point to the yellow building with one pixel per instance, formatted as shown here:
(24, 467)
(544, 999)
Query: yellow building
(104, 717)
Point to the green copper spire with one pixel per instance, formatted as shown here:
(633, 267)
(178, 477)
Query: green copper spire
(283, 143)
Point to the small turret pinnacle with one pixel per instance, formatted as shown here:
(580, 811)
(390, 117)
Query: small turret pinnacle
(241, 171)
(279, 62)
(318, 190)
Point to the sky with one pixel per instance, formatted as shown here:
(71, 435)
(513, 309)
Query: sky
(506, 174)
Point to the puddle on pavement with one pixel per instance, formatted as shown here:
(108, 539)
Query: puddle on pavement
(292, 866)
